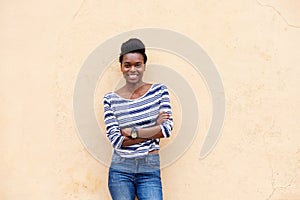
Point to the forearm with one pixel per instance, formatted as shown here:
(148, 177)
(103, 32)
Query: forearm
(151, 132)
(143, 135)
(129, 141)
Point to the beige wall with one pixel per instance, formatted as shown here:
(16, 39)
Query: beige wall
(254, 44)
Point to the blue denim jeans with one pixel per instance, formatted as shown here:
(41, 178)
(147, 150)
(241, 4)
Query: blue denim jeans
(130, 177)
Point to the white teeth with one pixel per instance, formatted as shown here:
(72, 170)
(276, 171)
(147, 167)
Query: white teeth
(132, 76)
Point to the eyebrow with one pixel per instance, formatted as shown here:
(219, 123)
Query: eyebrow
(133, 62)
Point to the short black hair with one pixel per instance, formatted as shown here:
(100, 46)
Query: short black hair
(133, 45)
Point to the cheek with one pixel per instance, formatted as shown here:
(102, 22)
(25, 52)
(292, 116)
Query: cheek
(142, 70)
(123, 70)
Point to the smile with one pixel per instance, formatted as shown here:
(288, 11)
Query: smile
(132, 76)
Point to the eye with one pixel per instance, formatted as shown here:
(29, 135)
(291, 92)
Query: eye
(139, 65)
(126, 65)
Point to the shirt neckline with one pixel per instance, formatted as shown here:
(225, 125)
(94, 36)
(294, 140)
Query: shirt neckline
(136, 98)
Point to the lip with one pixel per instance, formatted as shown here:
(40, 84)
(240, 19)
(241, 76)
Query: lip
(132, 76)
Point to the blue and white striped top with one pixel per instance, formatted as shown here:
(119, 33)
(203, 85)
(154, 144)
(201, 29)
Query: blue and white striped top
(142, 112)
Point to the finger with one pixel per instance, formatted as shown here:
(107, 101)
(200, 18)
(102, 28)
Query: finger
(163, 112)
(166, 116)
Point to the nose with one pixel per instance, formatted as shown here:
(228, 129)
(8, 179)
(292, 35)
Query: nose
(132, 68)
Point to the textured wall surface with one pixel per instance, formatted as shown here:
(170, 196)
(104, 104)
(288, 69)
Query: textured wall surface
(255, 45)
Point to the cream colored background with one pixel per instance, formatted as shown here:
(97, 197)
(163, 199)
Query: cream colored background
(254, 44)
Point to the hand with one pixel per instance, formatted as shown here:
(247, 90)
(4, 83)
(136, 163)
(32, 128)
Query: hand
(162, 117)
(126, 132)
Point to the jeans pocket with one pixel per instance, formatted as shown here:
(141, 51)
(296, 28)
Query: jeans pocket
(116, 159)
(152, 160)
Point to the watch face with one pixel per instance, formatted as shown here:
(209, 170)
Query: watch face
(134, 135)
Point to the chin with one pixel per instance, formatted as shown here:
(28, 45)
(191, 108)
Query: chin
(133, 81)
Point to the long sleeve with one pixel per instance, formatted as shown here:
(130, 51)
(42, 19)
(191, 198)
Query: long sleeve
(165, 106)
(113, 131)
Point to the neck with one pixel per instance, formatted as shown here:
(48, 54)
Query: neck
(131, 87)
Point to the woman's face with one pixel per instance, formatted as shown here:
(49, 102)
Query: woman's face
(133, 67)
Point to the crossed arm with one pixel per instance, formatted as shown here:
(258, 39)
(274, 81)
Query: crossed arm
(145, 133)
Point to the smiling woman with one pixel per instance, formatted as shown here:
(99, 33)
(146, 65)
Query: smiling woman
(133, 68)
(136, 117)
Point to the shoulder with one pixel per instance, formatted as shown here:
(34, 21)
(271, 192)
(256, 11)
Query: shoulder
(108, 96)
(160, 86)
(121, 91)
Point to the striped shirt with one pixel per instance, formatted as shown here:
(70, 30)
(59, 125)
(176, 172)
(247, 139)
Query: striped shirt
(142, 112)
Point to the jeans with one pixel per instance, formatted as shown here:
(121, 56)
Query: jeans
(130, 177)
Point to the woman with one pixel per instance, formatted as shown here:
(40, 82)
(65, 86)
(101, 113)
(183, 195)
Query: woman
(136, 117)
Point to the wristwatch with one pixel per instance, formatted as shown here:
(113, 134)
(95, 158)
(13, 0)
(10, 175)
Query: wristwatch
(134, 133)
